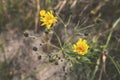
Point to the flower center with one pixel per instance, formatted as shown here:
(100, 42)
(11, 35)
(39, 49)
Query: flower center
(81, 49)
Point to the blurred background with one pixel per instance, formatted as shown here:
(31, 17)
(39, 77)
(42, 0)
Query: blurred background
(98, 21)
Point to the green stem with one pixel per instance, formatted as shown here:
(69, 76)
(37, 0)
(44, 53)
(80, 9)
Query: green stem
(110, 34)
(89, 26)
(60, 43)
(96, 69)
(118, 69)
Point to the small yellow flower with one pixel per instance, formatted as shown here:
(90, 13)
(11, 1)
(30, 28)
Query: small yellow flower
(47, 18)
(81, 47)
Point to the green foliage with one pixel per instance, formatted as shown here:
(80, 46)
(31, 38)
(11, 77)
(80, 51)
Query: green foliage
(96, 21)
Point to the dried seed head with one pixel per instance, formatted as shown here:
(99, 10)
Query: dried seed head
(26, 34)
(35, 48)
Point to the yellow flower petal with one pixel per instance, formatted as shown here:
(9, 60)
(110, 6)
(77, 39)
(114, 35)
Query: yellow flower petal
(42, 13)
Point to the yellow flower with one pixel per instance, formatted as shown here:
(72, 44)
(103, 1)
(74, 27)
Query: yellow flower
(47, 18)
(81, 47)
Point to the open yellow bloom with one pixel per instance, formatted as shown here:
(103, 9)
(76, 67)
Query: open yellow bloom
(81, 47)
(47, 18)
